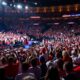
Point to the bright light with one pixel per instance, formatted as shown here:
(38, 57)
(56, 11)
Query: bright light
(35, 17)
(56, 23)
(26, 7)
(19, 6)
(10, 4)
(14, 5)
(70, 22)
(36, 24)
(35, 3)
(4, 3)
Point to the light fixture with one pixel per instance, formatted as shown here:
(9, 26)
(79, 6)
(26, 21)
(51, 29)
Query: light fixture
(19, 6)
(56, 23)
(10, 4)
(4, 3)
(26, 7)
(14, 5)
(35, 3)
(70, 22)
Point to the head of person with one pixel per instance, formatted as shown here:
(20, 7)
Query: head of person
(60, 64)
(25, 66)
(74, 53)
(34, 62)
(52, 74)
(10, 60)
(68, 67)
(14, 57)
(66, 56)
(42, 60)
(58, 54)
(4, 60)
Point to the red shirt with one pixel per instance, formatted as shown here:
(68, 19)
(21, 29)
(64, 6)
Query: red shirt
(12, 70)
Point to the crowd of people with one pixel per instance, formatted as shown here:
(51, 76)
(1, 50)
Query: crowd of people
(55, 59)
(9, 39)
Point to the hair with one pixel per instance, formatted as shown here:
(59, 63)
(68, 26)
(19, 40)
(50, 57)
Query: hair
(58, 53)
(66, 57)
(34, 62)
(68, 67)
(25, 66)
(4, 60)
(42, 59)
(10, 60)
(74, 52)
(60, 64)
(52, 74)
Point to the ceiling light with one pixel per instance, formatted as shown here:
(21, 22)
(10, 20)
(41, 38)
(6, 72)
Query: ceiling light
(19, 6)
(26, 7)
(4, 3)
(35, 3)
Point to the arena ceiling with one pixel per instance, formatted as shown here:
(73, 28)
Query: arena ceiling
(55, 8)
(45, 2)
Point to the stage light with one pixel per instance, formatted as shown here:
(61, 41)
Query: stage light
(36, 24)
(4, 3)
(11, 5)
(35, 3)
(26, 7)
(56, 23)
(14, 5)
(19, 6)
(35, 17)
(70, 22)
